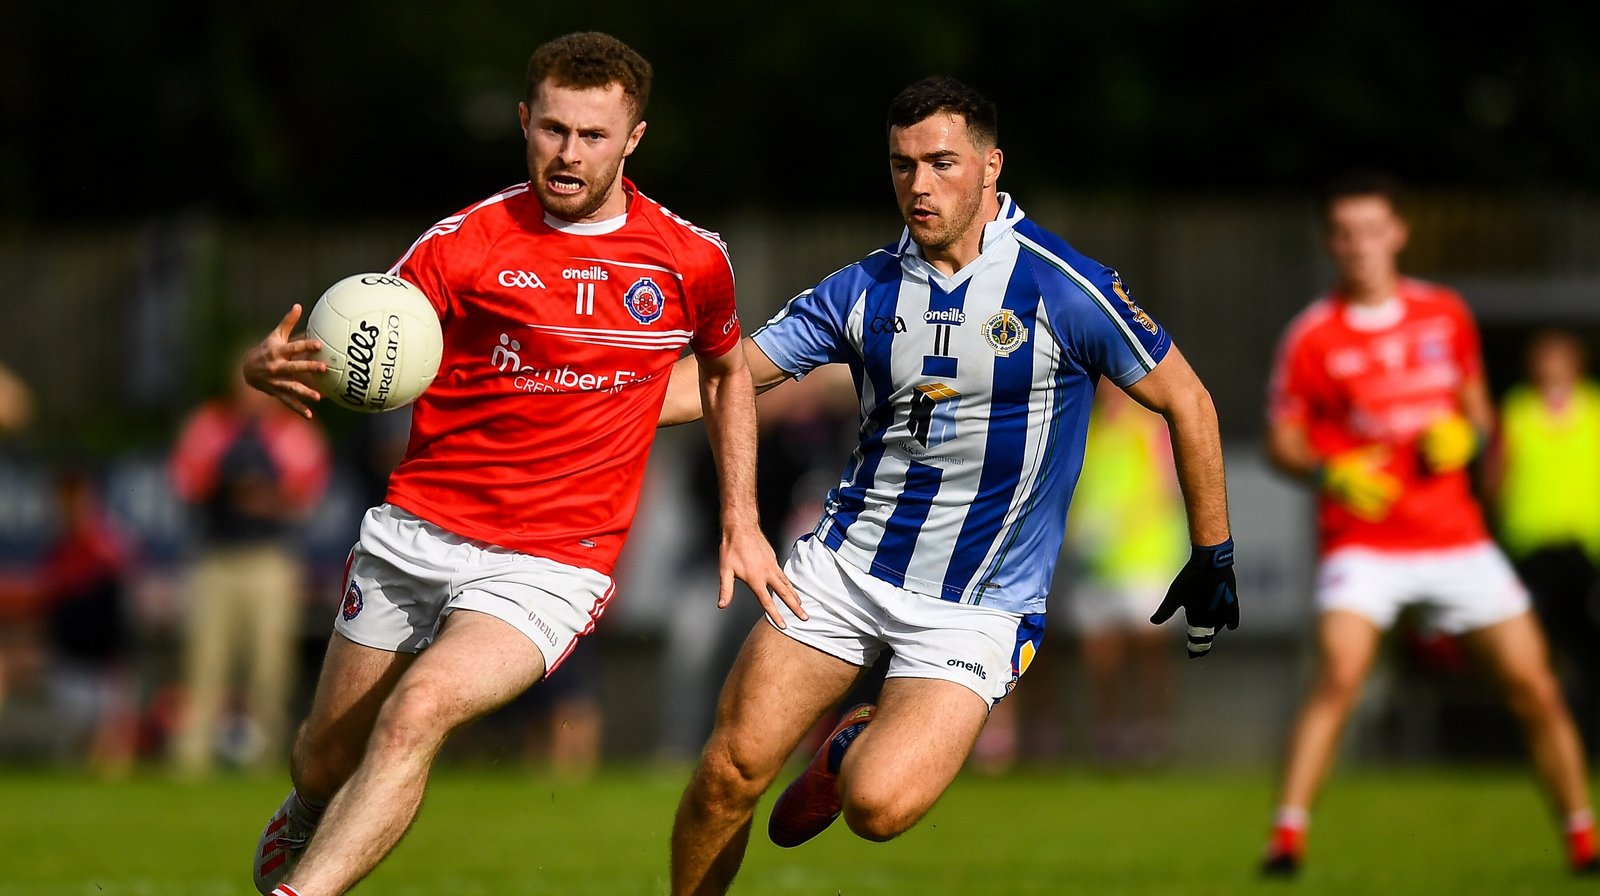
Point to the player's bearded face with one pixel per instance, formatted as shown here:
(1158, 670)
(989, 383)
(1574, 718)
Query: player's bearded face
(577, 140)
(939, 179)
(1365, 237)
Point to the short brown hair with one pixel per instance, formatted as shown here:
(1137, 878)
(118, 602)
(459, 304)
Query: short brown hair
(1353, 184)
(588, 59)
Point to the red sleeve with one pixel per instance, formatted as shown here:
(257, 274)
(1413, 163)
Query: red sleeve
(709, 286)
(1296, 381)
(444, 256)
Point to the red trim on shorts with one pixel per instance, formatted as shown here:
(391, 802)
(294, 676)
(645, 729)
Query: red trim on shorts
(349, 562)
(595, 612)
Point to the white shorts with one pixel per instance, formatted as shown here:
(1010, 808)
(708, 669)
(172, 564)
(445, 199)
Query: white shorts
(1459, 589)
(855, 617)
(406, 575)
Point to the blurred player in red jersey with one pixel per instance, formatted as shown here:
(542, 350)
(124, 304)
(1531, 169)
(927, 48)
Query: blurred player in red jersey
(1378, 399)
(565, 302)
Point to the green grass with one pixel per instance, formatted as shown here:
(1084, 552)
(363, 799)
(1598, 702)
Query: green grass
(499, 833)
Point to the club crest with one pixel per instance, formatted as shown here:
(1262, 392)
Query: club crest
(351, 606)
(645, 300)
(1005, 333)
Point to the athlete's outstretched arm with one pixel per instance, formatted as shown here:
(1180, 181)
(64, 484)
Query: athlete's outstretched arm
(683, 389)
(1174, 391)
(1205, 588)
(729, 399)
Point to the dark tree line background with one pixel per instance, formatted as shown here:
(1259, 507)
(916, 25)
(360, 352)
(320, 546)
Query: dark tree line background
(361, 110)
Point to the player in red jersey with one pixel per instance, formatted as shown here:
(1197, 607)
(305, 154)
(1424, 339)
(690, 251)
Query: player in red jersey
(1378, 399)
(564, 302)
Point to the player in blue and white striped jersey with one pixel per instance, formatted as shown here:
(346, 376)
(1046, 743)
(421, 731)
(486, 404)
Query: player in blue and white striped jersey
(975, 394)
(975, 342)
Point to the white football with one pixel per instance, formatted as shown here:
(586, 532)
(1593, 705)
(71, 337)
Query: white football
(380, 339)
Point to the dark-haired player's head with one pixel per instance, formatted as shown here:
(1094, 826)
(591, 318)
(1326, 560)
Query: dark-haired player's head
(937, 94)
(1363, 185)
(1364, 230)
(945, 163)
(586, 95)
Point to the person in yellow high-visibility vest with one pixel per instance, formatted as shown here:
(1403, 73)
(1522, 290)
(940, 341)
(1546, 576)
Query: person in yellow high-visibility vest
(1544, 475)
(1126, 530)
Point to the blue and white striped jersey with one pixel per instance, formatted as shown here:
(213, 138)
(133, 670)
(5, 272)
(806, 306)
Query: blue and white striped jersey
(975, 392)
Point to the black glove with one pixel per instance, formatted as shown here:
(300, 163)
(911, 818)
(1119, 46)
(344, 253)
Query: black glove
(1205, 589)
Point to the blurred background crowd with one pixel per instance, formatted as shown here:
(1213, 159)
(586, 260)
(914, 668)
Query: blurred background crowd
(173, 176)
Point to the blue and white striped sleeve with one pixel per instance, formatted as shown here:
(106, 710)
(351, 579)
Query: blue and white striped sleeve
(810, 331)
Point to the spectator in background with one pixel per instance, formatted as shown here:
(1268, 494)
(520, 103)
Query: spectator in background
(250, 469)
(1128, 531)
(1544, 476)
(16, 403)
(16, 412)
(83, 580)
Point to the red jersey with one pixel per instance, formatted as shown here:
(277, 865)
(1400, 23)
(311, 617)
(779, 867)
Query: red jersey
(1358, 376)
(558, 342)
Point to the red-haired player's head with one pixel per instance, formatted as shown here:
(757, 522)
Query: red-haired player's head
(582, 117)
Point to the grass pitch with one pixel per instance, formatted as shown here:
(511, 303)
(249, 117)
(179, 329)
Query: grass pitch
(501, 833)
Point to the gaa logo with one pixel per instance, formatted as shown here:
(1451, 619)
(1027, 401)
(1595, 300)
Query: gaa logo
(351, 606)
(520, 279)
(886, 324)
(644, 300)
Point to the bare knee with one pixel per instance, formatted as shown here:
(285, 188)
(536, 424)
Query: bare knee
(1339, 683)
(874, 823)
(877, 813)
(1535, 696)
(732, 776)
(414, 720)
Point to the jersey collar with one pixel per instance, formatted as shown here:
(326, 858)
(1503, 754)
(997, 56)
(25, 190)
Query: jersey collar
(1371, 318)
(595, 228)
(1009, 217)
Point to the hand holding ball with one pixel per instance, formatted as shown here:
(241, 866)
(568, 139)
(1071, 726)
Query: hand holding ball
(380, 339)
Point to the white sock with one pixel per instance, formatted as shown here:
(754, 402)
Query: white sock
(1578, 819)
(1292, 817)
(285, 890)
